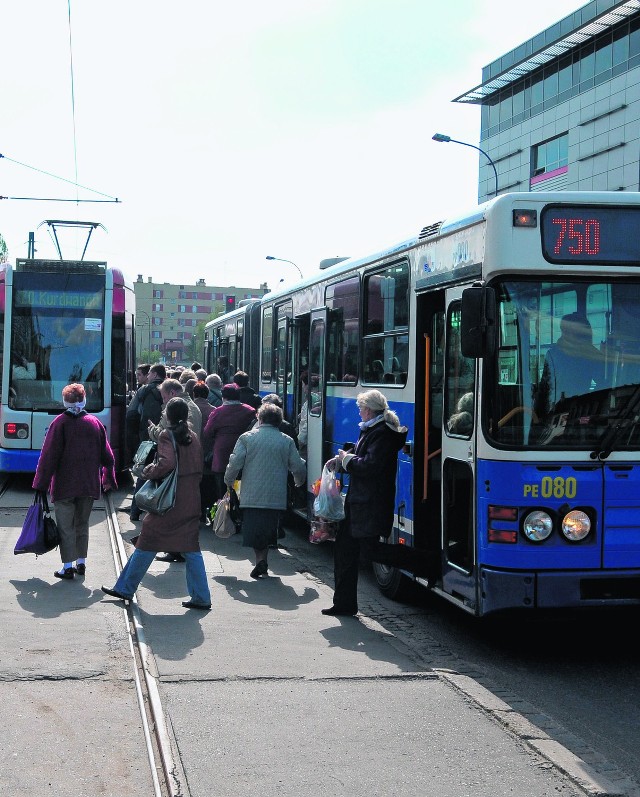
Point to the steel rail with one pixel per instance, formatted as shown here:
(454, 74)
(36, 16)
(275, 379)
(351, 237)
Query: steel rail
(174, 777)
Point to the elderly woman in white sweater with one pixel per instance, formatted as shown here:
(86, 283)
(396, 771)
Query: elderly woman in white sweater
(265, 456)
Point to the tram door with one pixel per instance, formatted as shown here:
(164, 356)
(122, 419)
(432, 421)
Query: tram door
(459, 423)
(316, 454)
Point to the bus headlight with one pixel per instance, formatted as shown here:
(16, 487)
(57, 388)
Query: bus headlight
(537, 526)
(576, 525)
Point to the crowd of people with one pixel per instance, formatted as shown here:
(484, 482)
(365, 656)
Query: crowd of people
(213, 433)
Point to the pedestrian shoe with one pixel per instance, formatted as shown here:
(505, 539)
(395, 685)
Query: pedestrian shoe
(67, 573)
(336, 611)
(81, 569)
(115, 594)
(171, 557)
(191, 605)
(134, 517)
(259, 570)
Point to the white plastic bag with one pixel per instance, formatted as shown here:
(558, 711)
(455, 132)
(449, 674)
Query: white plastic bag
(329, 503)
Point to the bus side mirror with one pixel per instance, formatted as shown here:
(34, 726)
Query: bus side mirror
(478, 322)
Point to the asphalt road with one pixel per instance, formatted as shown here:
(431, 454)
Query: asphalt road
(577, 669)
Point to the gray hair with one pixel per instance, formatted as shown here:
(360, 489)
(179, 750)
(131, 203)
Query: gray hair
(213, 380)
(272, 398)
(377, 402)
(269, 414)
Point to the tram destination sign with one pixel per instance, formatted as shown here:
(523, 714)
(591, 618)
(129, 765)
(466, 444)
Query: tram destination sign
(591, 234)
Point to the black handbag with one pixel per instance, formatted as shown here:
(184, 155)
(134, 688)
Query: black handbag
(143, 456)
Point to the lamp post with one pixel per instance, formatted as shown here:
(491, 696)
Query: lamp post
(282, 260)
(443, 139)
(142, 312)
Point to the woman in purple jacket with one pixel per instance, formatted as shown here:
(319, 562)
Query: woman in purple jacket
(75, 463)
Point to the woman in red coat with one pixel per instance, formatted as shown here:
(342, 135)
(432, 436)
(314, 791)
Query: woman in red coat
(177, 530)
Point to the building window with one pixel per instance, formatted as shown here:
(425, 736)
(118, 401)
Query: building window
(550, 155)
(156, 308)
(157, 294)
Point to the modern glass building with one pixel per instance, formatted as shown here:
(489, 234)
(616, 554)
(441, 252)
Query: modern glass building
(562, 110)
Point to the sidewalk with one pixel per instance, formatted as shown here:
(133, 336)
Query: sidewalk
(264, 693)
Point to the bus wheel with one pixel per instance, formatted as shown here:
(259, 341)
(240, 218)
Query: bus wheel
(392, 582)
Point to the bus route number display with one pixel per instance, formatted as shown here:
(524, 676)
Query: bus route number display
(590, 234)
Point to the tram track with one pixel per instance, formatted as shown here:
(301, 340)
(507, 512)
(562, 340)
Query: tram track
(168, 777)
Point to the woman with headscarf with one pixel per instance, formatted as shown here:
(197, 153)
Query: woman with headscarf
(370, 499)
(177, 530)
(75, 463)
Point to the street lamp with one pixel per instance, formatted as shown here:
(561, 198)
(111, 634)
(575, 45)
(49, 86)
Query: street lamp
(282, 260)
(142, 312)
(440, 137)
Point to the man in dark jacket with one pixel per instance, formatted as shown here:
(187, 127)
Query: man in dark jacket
(247, 394)
(150, 409)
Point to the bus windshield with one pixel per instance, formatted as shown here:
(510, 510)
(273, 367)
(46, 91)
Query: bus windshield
(56, 339)
(566, 371)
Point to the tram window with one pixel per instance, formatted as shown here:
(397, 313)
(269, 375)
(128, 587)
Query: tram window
(267, 344)
(385, 341)
(343, 302)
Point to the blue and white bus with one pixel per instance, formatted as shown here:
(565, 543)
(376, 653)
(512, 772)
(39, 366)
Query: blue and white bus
(508, 341)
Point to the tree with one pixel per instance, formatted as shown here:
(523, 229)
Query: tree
(4, 252)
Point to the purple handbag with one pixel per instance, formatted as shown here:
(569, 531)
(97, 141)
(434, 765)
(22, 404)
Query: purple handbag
(34, 537)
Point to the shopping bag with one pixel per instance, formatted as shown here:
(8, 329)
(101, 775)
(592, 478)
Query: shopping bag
(51, 533)
(32, 538)
(143, 456)
(322, 531)
(223, 525)
(234, 507)
(329, 503)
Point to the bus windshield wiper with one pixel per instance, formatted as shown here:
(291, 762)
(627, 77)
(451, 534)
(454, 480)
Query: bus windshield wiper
(608, 442)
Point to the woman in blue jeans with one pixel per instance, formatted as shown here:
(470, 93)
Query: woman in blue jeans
(177, 530)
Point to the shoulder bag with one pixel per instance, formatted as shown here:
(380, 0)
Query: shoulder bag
(158, 496)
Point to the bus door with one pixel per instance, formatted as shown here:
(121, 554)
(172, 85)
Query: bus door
(316, 453)
(459, 424)
(283, 362)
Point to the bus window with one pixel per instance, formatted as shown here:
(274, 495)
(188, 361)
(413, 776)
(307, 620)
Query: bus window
(316, 354)
(459, 380)
(385, 341)
(343, 301)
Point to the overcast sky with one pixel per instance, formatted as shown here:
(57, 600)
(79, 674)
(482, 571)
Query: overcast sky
(231, 131)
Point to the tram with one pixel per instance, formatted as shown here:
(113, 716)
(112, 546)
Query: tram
(507, 340)
(62, 321)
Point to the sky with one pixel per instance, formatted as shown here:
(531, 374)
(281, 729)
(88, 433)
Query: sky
(299, 129)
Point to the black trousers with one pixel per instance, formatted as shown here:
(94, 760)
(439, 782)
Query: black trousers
(208, 492)
(346, 554)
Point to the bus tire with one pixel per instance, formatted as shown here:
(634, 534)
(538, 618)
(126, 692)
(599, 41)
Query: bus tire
(392, 582)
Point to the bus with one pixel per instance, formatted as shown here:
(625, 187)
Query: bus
(234, 335)
(62, 321)
(507, 340)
